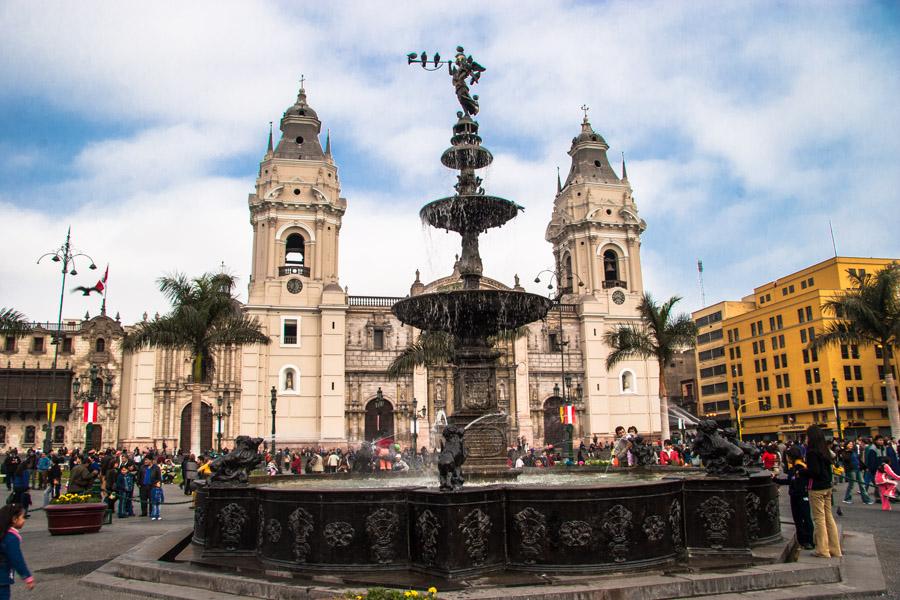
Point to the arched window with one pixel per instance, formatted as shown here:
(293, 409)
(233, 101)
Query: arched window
(29, 434)
(100, 345)
(627, 382)
(2, 434)
(294, 250)
(59, 434)
(612, 277)
(289, 380)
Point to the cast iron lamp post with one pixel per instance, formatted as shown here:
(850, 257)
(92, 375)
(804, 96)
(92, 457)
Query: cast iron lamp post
(414, 429)
(737, 410)
(66, 255)
(560, 291)
(274, 401)
(92, 393)
(837, 408)
(219, 415)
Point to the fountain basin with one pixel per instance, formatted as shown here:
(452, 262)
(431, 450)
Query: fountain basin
(586, 528)
(472, 314)
(469, 212)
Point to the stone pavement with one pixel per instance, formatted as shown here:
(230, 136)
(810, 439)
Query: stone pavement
(59, 562)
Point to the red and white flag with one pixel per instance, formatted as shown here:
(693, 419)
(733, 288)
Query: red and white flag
(90, 412)
(569, 414)
(101, 285)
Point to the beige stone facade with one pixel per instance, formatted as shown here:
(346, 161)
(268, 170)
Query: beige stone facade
(329, 351)
(28, 381)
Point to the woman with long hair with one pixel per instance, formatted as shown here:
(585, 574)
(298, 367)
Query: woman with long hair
(818, 469)
(12, 519)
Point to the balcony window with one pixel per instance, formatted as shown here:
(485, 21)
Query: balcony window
(378, 339)
(294, 252)
(37, 343)
(290, 331)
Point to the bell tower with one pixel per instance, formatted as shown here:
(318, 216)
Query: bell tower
(294, 291)
(595, 229)
(296, 213)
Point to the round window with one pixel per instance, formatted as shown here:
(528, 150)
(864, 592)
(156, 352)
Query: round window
(608, 211)
(299, 139)
(596, 163)
(296, 192)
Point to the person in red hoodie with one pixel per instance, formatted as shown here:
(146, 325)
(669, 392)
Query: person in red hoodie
(769, 458)
(669, 455)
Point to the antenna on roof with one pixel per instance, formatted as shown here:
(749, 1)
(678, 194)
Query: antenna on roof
(700, 276)
(833, 245)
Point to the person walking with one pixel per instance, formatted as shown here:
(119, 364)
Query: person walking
(818, 470)
(54, 475)
(43, 467)
(156, 499)
(887, 481)
(12, 519)
(852, 472)
(21, 484)
(189, 473)
(148, 477)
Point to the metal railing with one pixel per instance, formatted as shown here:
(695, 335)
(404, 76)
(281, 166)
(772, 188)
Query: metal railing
(375, 301)
(290, 339)
(293, 270)
(614, 283)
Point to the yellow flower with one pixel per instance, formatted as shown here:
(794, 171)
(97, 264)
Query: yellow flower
(406, 594)
(414, 593)
(432, 590)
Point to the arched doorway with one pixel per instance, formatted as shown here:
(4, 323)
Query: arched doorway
(554, 432)
(379, 420)
(206, 427)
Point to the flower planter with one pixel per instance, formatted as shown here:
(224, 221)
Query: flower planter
(67, 519)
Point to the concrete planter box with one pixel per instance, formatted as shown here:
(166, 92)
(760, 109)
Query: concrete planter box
(69, 519)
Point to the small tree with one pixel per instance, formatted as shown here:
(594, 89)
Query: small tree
(658, 336)
(869, 315)
(205, 316)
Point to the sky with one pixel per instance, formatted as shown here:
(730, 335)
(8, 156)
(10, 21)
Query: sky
(747, 128)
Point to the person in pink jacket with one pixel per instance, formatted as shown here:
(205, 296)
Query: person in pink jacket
(886, 481)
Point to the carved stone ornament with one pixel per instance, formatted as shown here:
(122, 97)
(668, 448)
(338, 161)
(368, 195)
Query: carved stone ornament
(338, 534)
(617, 524)
(232, 518)
(654, 527)
(716, 514)
(532, 528)
(301, 525)
(260, 526)
(675, 524)
(427, 529)
(773, 510)
(576, 534)
(200, 519)
(476, 528)
(382, 526)
(273, 530)
(753, 503)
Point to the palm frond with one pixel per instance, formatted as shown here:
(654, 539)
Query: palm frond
(431, 348)
(12, 322)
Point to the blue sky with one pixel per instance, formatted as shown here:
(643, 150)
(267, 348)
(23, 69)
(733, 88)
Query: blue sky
(746, 127)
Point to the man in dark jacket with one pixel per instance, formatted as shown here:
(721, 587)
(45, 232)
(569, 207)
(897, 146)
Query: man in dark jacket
(148, 475)
(81, 479)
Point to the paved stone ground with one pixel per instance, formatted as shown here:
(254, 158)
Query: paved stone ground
(59, 562)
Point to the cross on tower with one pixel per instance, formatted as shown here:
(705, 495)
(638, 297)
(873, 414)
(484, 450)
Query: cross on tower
(585, 108)
(302, 79)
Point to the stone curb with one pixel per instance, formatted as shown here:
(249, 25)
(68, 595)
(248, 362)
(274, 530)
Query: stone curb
(858, 572)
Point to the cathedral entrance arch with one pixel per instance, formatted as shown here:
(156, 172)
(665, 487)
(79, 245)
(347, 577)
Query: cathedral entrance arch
(554, 432)
(206, 427)
(379, 420)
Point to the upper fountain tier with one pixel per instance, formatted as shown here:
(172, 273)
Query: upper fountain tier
(469, 210)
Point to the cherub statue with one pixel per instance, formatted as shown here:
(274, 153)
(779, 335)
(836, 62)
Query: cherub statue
(451, 458)
(235, 467)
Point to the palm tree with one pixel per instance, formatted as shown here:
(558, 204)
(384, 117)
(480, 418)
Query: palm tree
(869, 314)
(12, 322)
(658, 336)
(205, 316)
(437, 347)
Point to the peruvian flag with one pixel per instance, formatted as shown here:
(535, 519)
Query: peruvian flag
(90, 412)
(101, 285)
(569, 414)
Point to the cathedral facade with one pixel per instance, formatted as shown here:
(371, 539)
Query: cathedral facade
(325, 369)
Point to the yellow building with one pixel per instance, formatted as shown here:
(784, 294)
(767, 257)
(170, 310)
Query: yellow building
(781, 385)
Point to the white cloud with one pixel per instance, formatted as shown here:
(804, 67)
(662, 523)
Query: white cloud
(746, 127)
